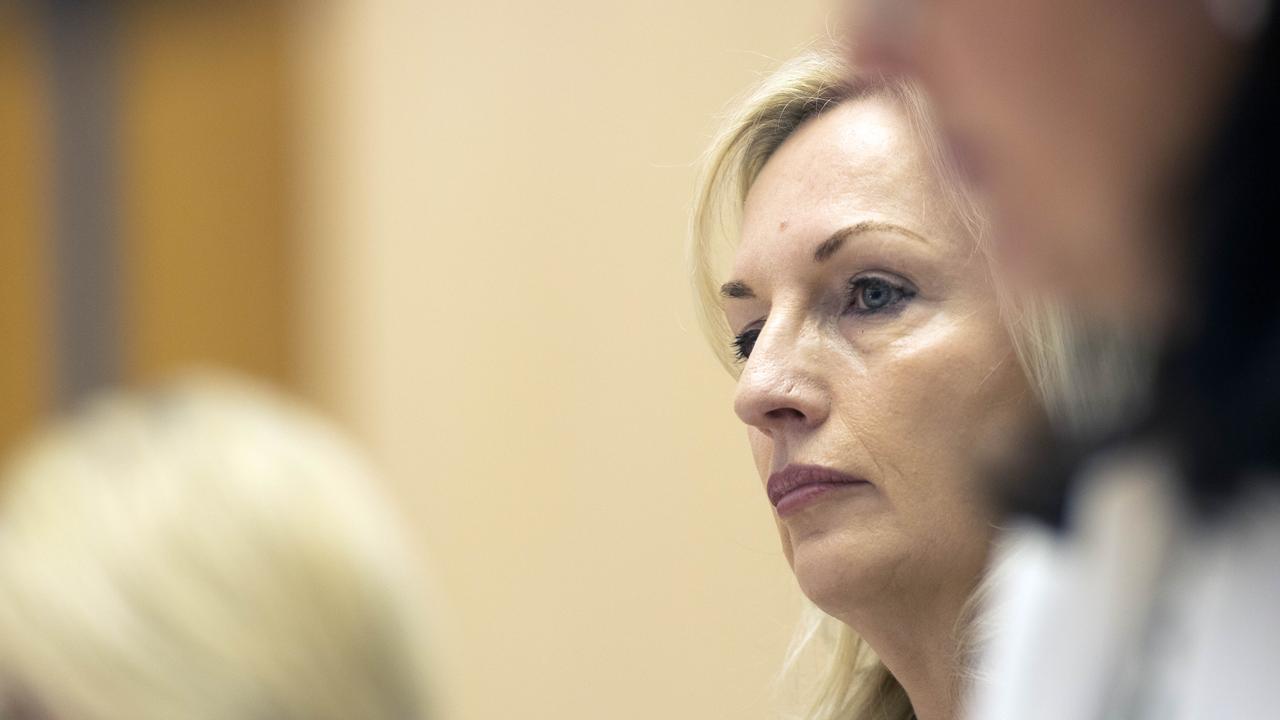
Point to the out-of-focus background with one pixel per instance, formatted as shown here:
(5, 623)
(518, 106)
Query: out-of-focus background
(457, 227)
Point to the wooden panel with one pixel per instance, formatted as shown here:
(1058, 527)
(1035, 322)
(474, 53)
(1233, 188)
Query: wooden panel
(206, 229)
(25, 340)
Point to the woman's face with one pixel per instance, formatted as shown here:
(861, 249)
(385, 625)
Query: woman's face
(873, 352)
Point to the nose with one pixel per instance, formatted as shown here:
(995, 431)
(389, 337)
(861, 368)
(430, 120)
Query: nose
(878, 34)
(780, 389)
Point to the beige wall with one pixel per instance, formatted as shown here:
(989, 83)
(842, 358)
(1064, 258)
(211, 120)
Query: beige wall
(496, 301)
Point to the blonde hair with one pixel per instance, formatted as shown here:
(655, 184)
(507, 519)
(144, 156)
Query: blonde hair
(1084, 377)
(209, 552)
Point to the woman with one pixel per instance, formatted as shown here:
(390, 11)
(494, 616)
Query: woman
(880, 375)
(207, 552)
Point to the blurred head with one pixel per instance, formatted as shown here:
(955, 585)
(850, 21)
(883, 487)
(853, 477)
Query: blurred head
(1079, 121)
(210, 552)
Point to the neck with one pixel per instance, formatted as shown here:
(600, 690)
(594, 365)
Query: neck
(920, 644)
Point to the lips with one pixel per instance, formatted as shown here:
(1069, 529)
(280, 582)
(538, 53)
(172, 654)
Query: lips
(796, 485)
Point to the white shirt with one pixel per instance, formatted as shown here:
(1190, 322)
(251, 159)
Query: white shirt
(1137, 611)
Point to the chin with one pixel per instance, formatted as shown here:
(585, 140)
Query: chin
(841, 571)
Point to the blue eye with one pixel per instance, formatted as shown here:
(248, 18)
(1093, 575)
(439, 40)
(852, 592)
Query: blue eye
(744, 342)
(869, 295)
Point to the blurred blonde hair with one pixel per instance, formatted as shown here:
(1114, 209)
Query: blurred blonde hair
(1084, 377)
(208, 552)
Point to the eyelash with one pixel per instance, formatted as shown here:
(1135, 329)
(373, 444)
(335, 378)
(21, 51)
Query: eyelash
(745, 341)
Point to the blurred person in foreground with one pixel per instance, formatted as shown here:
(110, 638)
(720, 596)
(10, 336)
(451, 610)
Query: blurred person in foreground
(1129, 151)
(207, 551)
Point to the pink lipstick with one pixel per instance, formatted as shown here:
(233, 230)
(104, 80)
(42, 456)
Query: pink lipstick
(796, 487)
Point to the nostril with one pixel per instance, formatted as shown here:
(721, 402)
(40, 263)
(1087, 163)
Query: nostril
(785, 413)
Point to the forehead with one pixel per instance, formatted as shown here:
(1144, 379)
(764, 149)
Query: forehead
(859, 161)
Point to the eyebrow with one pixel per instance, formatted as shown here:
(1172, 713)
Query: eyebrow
(737, 289)
(832, 245)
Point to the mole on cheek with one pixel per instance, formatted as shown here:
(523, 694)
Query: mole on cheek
(783, 225)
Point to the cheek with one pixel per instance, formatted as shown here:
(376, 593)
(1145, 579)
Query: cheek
(761, 452)
(925, 405)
